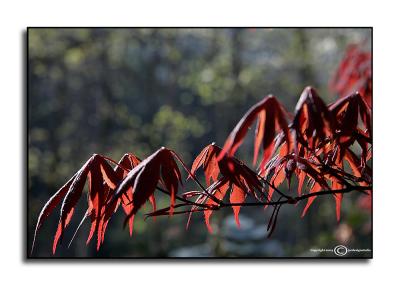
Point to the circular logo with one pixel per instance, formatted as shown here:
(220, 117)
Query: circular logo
(340, 250)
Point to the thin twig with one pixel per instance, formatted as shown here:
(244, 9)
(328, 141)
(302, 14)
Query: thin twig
(295, 199)
(215, 199)
(275, 188)
(180, 198)
(115, 162)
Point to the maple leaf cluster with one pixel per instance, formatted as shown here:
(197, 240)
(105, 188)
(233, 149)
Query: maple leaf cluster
(354, 74)
(313, 145)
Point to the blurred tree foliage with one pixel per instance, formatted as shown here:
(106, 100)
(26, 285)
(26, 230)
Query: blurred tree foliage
(112, 91)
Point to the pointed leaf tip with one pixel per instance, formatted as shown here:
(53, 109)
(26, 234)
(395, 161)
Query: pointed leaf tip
(316, 188)
(238, 196)
(338, 200)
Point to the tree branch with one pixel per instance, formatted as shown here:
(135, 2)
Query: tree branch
(290, 200)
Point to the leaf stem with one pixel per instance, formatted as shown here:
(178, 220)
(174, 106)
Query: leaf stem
(215, 199)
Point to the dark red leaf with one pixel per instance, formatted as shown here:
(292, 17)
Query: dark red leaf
(271, 120)
(145, 177)
(208, 159)
(50, 206)
(312, 122)
(354, 74)
(202, 197)
(60, 228)
(316, 188)
(96, 198)
(70, 200)
(219, 194)
(301, 178)
(199, 160)
(237, 196)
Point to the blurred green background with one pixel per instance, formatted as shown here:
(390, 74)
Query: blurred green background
(112, 91)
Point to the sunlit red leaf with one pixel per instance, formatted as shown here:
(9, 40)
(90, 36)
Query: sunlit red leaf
(301, 178)
(219, 194)
(199, 161)
(96, 198)
(338, 200)
(271, 120)
(51, 204)
(70, 200)
(202, 197)
(347, 112)
(312, 122)
(237, 196)
(145, 177)
(277, 179)
(208, 160)
(101, 179)
(128, 162)
(354, 74)
(60, 229)
(237, 173)
(316, 188)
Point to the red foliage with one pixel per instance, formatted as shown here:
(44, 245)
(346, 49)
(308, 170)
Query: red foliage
(317, 148)
(354, 74)
(271, 119)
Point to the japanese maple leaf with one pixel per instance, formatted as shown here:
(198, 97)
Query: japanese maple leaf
(142, 180)
(354, 74)
(99, 171)
(313, 122)
(271, 120)
(207, 159)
